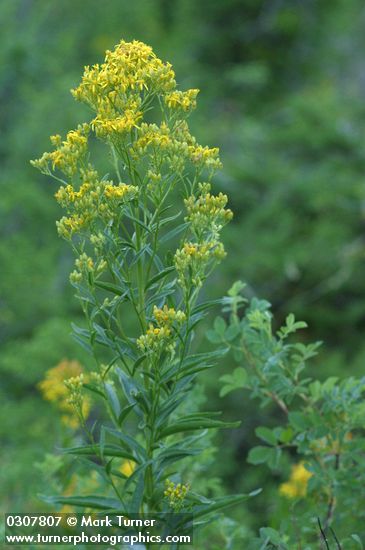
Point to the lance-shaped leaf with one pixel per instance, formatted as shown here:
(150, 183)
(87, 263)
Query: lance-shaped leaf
(221, 503)
(134, 392)
(137, 498)
(195, 423)
(123, 415)
(174, 453)
(173, 233)
(92, 501)
(159, 276)
(110, 287)
(128, 442)
(112, 399)
(95, 450)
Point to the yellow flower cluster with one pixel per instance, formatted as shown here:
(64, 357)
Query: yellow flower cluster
(296, 486)
(74, 386)
(68, 155)
(119, 191)
(192, 259)
(167, 316)
(130, 67)
(154, 339)
(85, 265)
(158, 337)
(120, 91)
(117, 88)
(205, 156)
(182, 100)
(67, 227)
(67, 195)
(54, 389)
(175, 494)
(151, 135)
(207, 212)
(95, 199)
(176, 144)
(76, 398)
(107, 122)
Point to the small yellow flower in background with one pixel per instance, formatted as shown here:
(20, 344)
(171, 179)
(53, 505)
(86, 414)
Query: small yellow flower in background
(127, 468)
(298, 481)
(53, 389)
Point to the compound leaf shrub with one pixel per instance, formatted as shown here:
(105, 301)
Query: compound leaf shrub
(146, 235)
(316, 437)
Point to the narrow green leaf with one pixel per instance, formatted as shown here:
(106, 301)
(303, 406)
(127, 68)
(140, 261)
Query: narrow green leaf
(94, 390)
(110, 287)
(199, 358)
(112, 399)
(159, 276)
(194, 370)
(204, 423)
(137, 221)
(138, 362)
(132, 391)
(94, 450)
(123, 415)
(81, 331)
(83, 344)
(108, 466)
(206, 305)
(91, 501)
(168, 457)
(173, 233)
(102, 442)
(128, 442)
(221, 503)
(164, 221)
(138, 494)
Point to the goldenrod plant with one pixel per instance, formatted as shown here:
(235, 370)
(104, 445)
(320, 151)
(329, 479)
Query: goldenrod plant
(146, 235)
(315, 440)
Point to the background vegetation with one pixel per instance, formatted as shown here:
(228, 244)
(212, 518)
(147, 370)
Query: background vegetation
(282, 87)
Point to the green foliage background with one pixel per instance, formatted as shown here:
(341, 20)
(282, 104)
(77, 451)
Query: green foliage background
(282, 85)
